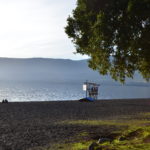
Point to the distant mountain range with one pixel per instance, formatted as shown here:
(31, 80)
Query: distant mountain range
(53, 70)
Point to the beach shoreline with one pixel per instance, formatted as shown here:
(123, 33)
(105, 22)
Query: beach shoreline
(122, 99)
(26, 125)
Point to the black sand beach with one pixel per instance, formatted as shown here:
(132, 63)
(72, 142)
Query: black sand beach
(29, 125)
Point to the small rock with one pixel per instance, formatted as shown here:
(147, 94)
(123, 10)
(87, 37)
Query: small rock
(114, 136)
(93, 146)
(122, 138)
(135, 134)
(95, 137)
(103, 140)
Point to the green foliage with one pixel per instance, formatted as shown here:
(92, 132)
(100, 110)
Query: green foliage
(115, 34)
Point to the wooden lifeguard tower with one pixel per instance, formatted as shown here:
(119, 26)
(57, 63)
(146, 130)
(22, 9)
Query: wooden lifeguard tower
(91, 90)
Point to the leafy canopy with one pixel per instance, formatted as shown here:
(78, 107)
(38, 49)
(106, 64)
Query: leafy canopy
(115, 34)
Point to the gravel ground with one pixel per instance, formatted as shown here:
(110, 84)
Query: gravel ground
(27, 125)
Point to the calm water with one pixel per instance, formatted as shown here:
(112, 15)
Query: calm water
(45, 91)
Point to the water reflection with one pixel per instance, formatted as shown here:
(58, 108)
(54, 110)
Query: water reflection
(45, 91)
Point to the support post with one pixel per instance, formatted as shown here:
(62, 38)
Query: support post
(86, 88)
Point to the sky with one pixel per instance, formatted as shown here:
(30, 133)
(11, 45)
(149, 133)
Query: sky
(35, 28)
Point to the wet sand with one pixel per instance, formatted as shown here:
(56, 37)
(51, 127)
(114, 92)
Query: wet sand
(27, 125)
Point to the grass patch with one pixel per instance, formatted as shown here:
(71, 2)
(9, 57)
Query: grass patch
(92, 122)
(131, 134)
(70, 146)
(143, 118)
(131, 138)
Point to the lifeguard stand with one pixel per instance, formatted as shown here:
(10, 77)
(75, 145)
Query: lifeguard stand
(91, 90)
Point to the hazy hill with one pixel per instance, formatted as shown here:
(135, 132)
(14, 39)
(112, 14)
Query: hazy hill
(54, 70)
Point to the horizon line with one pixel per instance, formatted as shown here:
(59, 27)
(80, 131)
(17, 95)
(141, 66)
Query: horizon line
(44, 58)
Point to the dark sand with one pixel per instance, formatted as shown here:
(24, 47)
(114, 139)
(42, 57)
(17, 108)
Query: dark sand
(30, 124)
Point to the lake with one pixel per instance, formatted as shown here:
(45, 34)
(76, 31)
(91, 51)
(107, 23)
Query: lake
(48, 91)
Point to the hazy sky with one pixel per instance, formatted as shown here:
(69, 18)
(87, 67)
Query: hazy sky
(35, 28)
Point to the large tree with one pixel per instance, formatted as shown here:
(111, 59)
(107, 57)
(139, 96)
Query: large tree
(115, 34)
